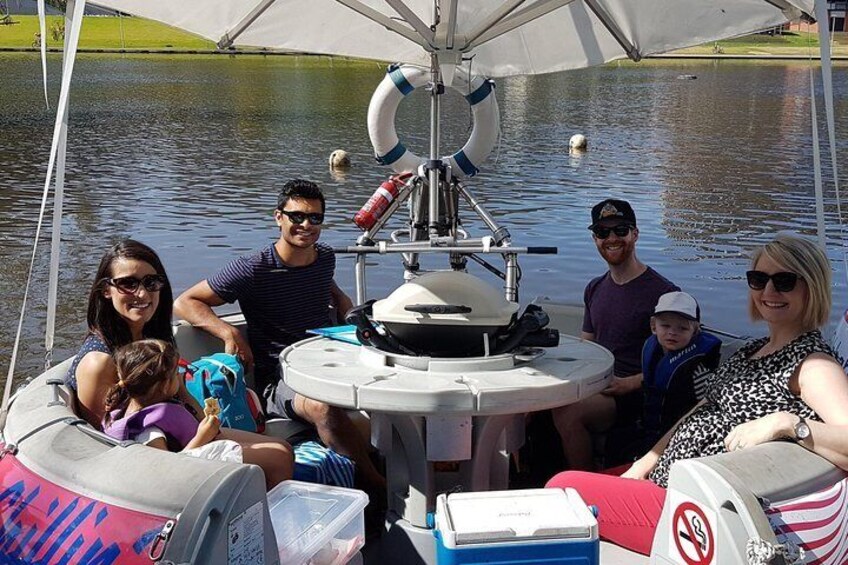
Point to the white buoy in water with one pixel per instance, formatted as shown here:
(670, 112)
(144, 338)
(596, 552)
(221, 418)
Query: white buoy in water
(339, 159)
(339, 174)
(578, 142)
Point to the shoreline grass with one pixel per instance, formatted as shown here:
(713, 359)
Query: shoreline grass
(129, 33)
(103, 32)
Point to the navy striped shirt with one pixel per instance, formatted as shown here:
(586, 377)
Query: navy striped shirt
(279, 302)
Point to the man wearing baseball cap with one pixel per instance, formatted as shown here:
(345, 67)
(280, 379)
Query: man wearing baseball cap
(618, 309)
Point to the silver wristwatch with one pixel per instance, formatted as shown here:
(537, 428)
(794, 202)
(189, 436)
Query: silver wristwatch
(802, 430)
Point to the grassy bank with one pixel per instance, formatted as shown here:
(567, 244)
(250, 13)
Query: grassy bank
(104, 33)
(794, 43)
(137, 33)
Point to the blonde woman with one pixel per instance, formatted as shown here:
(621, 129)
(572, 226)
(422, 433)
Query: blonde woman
(787, 385)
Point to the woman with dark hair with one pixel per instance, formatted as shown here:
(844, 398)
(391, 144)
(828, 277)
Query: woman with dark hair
(131, 299)
(104, 319)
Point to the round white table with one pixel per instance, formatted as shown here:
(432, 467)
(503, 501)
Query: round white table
(443, 424)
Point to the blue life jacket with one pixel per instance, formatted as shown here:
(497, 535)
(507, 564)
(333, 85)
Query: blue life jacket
(221, 376)
(658, 375)
(177, 423)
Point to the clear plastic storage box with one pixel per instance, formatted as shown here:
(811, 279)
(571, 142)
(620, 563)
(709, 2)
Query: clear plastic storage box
(317, 524)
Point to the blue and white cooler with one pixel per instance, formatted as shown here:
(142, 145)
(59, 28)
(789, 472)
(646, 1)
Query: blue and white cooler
(516, 527)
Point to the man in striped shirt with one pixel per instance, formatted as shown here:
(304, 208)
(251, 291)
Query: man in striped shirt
(283, 290)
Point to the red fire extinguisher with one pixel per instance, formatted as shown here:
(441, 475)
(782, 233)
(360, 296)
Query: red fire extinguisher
(380, 201)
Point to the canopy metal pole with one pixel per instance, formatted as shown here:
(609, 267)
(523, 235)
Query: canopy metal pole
(511, 279)
(825, 42)
(42, 37)
(359, 270)
(433, 172)
(55, 148)
(59, 189)
(501, 234)
(463, 248)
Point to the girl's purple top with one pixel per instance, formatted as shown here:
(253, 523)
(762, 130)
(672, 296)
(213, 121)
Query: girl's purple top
(177, 423)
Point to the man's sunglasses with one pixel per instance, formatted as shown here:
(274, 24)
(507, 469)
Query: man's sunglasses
(129, 285)
(783, 282)
(314, 218)
(620, 230)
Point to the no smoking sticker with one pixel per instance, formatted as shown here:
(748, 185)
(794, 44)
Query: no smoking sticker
(693, 534)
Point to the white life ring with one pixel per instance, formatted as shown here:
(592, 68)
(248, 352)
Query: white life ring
(401, 81)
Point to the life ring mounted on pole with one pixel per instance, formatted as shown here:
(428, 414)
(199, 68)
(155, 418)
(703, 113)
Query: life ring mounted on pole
(401, 80)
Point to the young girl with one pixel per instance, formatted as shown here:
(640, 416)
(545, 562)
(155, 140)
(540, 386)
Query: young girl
(140, 406)
(131, 300)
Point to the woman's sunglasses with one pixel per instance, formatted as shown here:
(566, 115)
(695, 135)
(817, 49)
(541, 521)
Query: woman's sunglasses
(620, 230)
(783, 282)
(129, 285)
(314, 218)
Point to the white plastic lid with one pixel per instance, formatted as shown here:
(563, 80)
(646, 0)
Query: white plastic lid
(486, 517)
(487, 305)
(307, 516)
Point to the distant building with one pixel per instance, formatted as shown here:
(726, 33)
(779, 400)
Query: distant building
(836, 12)
(836, 19)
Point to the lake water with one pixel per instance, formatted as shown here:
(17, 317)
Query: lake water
(187, 153)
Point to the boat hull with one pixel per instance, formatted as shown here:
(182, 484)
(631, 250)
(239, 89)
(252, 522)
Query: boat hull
(47, 524)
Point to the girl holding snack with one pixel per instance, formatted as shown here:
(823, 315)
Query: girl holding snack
(140, 406)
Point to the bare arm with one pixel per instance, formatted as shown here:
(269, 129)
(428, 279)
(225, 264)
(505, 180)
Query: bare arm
(340, 301)
(195, 306)
(206, 432)
(624, 385)
(96, 374)
(822, 384)
(587, 336)
(824, 387)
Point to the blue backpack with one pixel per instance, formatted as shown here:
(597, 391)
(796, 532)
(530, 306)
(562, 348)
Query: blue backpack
(221, 376)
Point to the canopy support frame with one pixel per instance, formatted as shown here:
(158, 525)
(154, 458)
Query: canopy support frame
(493, 21)
(507, 24)
(434, 164)
(230, 37)
(615, 30)
(790, 11)
(450, 23)
(74, 15)
(412, 19)
(386, 22)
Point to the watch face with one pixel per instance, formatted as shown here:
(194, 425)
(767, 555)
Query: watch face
(802, 430)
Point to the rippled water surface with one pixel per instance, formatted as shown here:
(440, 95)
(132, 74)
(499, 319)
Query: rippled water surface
(186, 154)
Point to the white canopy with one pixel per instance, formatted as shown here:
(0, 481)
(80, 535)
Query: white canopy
(505, 37)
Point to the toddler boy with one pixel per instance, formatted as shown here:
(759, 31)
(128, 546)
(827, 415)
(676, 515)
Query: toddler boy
(676, 360)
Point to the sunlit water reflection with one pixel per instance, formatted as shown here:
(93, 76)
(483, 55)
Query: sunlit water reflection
(186, 154)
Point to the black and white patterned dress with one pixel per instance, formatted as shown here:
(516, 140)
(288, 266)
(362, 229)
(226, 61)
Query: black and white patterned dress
(738, 391)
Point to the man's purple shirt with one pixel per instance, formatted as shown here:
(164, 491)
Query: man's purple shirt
(619, 316)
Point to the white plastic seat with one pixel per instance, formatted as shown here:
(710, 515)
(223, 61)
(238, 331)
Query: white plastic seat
(730, 490)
